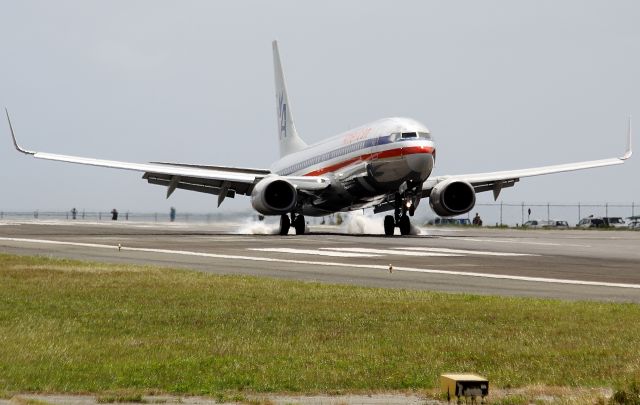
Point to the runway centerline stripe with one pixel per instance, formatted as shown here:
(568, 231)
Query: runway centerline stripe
(392, 252)
(332, 264)
(465, 252)
(313, 252)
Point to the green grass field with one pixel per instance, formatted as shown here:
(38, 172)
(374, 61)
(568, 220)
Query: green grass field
(68, 326)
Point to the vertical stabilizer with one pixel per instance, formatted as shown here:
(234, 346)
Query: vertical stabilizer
(290, 142)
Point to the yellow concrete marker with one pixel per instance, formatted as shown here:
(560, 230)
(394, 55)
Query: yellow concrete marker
(464, 386)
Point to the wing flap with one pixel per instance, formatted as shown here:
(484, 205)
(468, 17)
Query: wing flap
(209, 186)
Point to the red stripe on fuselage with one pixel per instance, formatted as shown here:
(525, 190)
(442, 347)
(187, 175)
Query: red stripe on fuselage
(410, 150)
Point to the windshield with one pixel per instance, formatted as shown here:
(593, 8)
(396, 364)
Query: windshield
(410, 136)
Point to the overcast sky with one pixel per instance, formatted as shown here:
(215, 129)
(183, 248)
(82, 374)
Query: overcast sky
(501, 84)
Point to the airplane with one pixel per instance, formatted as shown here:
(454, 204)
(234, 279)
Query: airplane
(385, 165)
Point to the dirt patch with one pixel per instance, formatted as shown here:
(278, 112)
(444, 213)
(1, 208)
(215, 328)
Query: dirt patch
(526, 395)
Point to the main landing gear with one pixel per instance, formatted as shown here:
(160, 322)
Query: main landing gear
(296, 220)
(404, 208)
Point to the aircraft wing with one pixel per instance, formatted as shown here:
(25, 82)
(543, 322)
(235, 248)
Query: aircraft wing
(496, 181)
(218, 180)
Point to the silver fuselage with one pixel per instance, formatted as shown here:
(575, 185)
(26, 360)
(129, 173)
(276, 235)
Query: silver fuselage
(366, 165)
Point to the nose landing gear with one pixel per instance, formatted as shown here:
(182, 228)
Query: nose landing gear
(404, 208)
(403, 222)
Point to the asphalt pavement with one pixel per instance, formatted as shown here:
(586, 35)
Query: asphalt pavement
(565, 264)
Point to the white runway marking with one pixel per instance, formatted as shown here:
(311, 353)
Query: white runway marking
(392, 252)
(514, 241)
(313, 252)
(465, 252)
(383, 268)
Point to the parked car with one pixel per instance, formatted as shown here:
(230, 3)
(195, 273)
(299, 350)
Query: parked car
(553, 224)
(615, 222)
(634, 223)
(592, 222)
(449, 221)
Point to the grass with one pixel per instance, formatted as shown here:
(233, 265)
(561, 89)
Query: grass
(74, 327)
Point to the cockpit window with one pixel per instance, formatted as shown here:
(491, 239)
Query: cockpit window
(411, 136)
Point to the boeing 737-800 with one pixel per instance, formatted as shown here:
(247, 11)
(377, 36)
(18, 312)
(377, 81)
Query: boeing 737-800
(385, 165)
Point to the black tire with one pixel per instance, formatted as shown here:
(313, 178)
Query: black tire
(285, 224)
(389, 225)
(405, 225)
(299, 224)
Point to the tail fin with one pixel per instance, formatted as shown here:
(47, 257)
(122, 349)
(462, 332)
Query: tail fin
(290, 142)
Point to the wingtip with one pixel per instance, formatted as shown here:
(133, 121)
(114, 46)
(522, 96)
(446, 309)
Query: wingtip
(629, 152)
(13, 136)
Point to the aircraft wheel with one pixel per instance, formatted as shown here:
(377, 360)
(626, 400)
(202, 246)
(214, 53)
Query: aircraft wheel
(299, 224)
(285, 224)
(389, 225)
(405, 225)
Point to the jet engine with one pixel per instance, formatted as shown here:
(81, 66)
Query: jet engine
(452, 198)
(274, 195)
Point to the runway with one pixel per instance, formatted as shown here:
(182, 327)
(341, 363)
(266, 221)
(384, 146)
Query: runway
(568, 264)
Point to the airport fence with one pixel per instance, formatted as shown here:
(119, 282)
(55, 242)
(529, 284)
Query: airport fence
(493, 213)
(82, 215)
(515, 214)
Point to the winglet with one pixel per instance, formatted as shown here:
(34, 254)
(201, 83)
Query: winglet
(13, 135)
(629, 151)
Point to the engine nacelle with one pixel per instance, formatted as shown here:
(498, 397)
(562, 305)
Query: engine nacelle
(274, 195)
(452, 198)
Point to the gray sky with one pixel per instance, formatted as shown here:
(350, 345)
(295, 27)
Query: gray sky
(501, 84)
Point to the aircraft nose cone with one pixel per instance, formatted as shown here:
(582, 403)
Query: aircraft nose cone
(419, 162)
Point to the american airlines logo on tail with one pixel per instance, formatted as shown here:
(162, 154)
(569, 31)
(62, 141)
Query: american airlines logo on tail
(282, 116)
